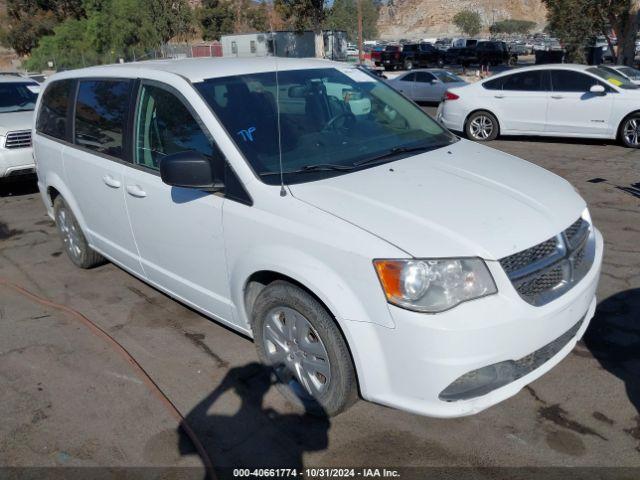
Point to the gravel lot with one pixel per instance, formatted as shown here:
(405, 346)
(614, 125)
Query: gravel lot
(67, 398)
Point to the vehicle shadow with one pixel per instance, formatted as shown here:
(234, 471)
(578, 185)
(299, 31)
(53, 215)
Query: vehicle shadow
(565, 140)
(633, 189)
(18, 186)
(614, 340)
(253, 436)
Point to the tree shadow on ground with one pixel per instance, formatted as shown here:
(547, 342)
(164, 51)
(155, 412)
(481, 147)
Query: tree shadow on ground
(253, 436)
(614, 340)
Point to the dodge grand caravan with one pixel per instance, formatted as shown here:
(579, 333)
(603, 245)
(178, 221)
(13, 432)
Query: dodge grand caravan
(367, 250)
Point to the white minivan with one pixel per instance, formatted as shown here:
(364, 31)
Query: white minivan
(368, 253)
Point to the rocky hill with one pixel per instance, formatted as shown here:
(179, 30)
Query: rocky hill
(431, 18)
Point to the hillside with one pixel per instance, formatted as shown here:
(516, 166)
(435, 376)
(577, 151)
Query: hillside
(431, 18)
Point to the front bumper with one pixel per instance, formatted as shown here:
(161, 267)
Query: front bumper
(409, 366)
(16, 161)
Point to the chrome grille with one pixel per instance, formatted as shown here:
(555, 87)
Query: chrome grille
(520, 260)
(18, 139)
(546, 271)
(577, 232)
(548, 280)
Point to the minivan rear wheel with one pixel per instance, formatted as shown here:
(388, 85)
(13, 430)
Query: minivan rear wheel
(296, 336)
(482, 127)
(75, 243)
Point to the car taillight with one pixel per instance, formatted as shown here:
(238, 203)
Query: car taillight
(450, 96)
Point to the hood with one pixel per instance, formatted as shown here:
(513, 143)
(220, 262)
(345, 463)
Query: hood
(15, 121)
(462, 200)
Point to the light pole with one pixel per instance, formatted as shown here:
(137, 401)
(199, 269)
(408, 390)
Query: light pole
(360, 52)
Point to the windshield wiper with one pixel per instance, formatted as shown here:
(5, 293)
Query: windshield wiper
(397, 151)
(320, 167)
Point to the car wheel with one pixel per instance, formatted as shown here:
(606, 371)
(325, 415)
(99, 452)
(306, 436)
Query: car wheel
(75, 243)
(408, 65)
(296, 336)
(482, 127)
(630, 131)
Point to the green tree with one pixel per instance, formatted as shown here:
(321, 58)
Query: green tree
(251, 16)
(216, 18)
(468, 22)
(111, 29)
(512, 26)
(343, 15)
(304, 15)
(26, 21)
(572, 30)
(597, 17)
(172, 19)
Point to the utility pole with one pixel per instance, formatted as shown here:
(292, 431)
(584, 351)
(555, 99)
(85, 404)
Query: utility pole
(360, 52)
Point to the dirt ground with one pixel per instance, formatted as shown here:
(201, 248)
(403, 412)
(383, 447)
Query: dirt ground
(67, 398)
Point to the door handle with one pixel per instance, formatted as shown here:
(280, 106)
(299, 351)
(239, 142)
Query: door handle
(136, 191)
(499, 96)
(557, 97)
(111, 182)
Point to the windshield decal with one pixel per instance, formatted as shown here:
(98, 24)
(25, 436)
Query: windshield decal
(247, 135)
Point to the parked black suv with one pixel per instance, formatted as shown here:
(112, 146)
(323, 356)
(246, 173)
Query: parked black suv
(483, 53)
(410, 55)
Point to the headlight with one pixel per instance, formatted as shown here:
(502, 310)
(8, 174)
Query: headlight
(434, 285)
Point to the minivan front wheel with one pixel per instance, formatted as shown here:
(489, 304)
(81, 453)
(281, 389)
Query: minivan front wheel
(482, 127)
(296, 336)
(75, 243)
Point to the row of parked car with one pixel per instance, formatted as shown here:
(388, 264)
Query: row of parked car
(418, 55)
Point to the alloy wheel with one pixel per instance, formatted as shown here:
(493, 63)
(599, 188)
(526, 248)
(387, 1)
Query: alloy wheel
(632, 132)
(481, 127)
(70, 234)
(296, 352)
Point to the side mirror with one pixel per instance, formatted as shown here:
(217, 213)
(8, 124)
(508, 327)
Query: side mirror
(597, 89)
(189, 170)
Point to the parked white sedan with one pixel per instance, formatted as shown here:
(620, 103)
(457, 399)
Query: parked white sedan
(427, 85)
(552, 100)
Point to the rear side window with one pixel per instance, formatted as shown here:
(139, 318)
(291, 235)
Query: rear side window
(52, 118)
(424, 77)
(101, 112)
(495, 84)
(525, 81)
(568, 81)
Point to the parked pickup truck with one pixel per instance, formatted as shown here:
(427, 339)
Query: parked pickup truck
(411, 55)
(484, 53)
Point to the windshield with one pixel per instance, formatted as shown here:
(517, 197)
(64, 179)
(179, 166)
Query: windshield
(17, 96)
(613, 78)
(335, 120)
(632, 73)
(447, 77)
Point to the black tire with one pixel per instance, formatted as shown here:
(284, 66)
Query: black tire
(474, 127)
(341, 392)
(78, 251)
(629, 132)
(408, 64)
